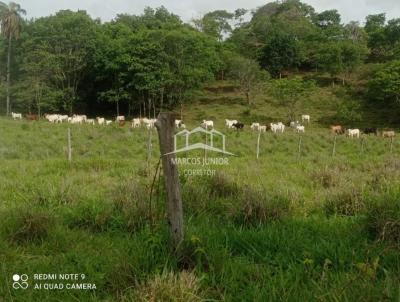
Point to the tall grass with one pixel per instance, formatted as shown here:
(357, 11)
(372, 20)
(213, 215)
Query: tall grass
(281, 228)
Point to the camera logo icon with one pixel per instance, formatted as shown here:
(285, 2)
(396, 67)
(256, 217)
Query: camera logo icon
(20, 281)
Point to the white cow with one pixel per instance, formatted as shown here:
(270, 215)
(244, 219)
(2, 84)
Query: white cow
(120, 118)
(81, 117)
(300, 128)
(262, 128)
(294, 124)
(16, 115)
(90, 121)
(101, 120)
(77, 120)
(353, 133)
(149, 123)
(52, 118)
(230, 123)
(62, 118)
(279, 127)
(255, 126)
(207, 124)
(108, 122)
(305, 117)
(179, 124)
(136, 123)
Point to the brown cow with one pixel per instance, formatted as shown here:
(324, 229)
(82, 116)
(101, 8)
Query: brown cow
(32, 117)
(121, 123)
(388, 134)
(337, 129)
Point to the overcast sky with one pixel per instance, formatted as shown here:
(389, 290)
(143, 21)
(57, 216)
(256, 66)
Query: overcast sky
(188, 9)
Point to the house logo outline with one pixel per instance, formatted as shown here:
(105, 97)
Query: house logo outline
(202, 146)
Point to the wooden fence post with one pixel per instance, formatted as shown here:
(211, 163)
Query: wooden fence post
(258, 144)
(149, 149)
(299, 150)
(391, 144)
(69, 146)
(334, 146)
(362, 145)
(165, 126)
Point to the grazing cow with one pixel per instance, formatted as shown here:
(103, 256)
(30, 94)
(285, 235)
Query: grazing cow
(120, 118)
(90, 121)
(370, 130)
(262, 128)
(82, 117)
(353, 133)
(180, 124)
(121, 123)
(277, 127)
(305, 117)
(207, 124)
(294, 124)
(238, 126)
(101, 120)
(108, 122)
(230, 123)
(52, 118)
(136, 123)
(62, 118)
(32, 117)
(300, 128)
(16, 115)
(337, 129)
(148, 123)
(77, 120)
(255, 126)
(388, 134)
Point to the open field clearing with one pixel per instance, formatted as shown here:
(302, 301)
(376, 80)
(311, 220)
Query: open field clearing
(290, 227)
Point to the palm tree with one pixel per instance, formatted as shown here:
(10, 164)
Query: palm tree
(10, 22)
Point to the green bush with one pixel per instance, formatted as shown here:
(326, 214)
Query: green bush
(344, 202)
(26, 225)
(383, 217)
(257, 206)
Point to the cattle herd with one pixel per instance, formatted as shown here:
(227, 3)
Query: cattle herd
(230, 124)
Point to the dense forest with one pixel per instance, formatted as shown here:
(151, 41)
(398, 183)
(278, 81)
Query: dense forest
(70, 62)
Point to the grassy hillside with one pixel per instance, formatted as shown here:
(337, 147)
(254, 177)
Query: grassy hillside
(285, 227)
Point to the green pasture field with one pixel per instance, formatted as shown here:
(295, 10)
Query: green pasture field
(289, 226)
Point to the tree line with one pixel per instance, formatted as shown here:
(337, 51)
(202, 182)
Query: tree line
(69, 62)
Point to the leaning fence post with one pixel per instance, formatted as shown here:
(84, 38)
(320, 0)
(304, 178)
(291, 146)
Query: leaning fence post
(334, 146)
(165, 126)
(258, 144)
(69, 146)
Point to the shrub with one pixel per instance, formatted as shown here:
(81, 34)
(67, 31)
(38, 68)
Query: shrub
(383, 217)
(258, 206)
(344, 202)
(26, 225)
(222, 186)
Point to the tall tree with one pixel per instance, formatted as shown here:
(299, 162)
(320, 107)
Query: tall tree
(282, 52)
(289, 92)
(248, 76)
(11, 22)
(216, 23)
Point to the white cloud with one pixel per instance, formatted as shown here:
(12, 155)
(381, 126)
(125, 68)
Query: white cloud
(188, 9)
